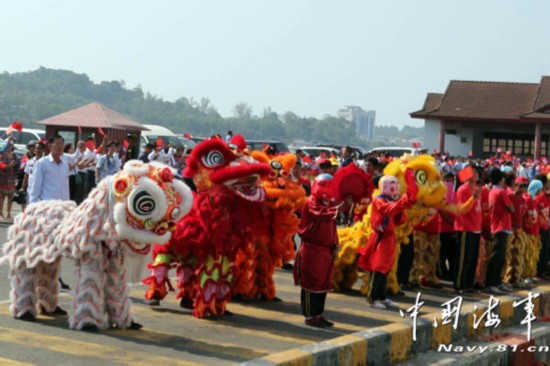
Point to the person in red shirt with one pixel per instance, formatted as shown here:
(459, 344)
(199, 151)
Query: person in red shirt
(543, 210)
(500, 209)
(468, 225)
(532, 230)
(515, 255)
(378, 255)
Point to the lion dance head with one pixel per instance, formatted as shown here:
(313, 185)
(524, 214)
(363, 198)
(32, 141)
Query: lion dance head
(148, 201)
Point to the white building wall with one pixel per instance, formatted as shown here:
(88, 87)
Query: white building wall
(459, 144)
(431, 134)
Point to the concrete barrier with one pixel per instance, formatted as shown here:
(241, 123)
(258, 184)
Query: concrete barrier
(394, 343)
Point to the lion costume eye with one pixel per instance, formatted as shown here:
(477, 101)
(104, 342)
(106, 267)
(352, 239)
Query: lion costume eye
(213, 158)
(421, 177)
(276, 165)
(143, 203)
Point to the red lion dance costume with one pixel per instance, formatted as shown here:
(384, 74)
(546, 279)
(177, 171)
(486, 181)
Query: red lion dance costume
(273, 243)
(226, 208)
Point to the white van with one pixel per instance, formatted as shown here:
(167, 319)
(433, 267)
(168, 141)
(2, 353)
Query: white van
(397, 152)
(155, 131)
(24, 137)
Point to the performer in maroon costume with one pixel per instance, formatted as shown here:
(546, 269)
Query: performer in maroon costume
(313, 265)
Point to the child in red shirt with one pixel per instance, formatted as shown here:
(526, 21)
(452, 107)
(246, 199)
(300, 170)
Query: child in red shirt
(500, 208)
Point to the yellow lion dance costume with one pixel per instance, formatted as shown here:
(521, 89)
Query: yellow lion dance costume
(431, 194)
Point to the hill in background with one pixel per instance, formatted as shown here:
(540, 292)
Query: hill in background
(35, 95)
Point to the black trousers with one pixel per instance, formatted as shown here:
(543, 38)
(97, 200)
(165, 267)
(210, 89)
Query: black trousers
(405, 262)
(72, 187)
(313, 303)
(466, 255)
(542, 265)
(497, 259)
(447, 255)
(377, 287)
(80, 186)
(90, 183)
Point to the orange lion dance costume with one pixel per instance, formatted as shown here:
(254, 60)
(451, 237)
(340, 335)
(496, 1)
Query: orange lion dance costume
(226, 208)
(273, 243)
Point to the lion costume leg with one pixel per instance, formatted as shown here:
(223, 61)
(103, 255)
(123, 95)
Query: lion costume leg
(47, 275)
(117, 302)
(22, 294)
(88, 306)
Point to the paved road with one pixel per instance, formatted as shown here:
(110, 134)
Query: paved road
(172, 336)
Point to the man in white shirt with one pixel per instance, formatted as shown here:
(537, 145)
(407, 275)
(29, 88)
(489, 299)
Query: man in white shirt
(90, 158)
(51, 182)
(51, 174)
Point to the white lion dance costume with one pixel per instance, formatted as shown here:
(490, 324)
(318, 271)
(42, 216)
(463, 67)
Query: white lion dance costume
(116, 224)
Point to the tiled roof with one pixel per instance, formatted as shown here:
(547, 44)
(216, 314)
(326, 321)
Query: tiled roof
(497, 101)
(543, 97)
(432, 103)
(93, 115)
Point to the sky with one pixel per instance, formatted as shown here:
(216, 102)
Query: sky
(311, 57)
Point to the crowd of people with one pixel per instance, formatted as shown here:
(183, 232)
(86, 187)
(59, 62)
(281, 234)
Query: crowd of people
(493, 235)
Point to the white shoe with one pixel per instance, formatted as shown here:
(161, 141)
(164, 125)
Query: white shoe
(390, 303)
(377, 304)
(528, 281)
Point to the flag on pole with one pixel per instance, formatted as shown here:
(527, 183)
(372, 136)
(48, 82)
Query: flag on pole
(466, 174)
(79, 130)
(15, 126)
(159, 142)
(101, 131)
(187, 135)
(126, 144)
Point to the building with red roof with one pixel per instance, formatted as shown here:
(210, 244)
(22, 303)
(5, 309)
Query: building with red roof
(487, 117)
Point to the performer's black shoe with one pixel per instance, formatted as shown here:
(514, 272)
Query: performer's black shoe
(90, 328)
(64, 286)
(153, 302)
(56, 311)
(287, 266)
(28, 317)
(186, 303)
(135, 326)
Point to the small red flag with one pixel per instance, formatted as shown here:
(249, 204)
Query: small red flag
(471, 153)
(125, 144)
(187, 135)
(101, 131)
(90, 145)
(2, 165)
(416, 145)
(159, 142)
(79, 130)
(466, 174)
(436, 151)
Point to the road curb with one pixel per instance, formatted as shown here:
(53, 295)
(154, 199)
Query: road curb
(394, 342)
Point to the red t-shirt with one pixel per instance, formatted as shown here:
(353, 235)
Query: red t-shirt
(501, 218)
(444, 226)
(530, 218)
(468, 221)
(519, 209)
(543, 209)
(430, 227)
(485, 216)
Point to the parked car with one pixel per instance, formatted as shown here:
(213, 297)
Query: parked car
(188, 143)
(24, 137)
(358, 151)
(167, 136)
(398, 151)
(259, 145)
(316, 151)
